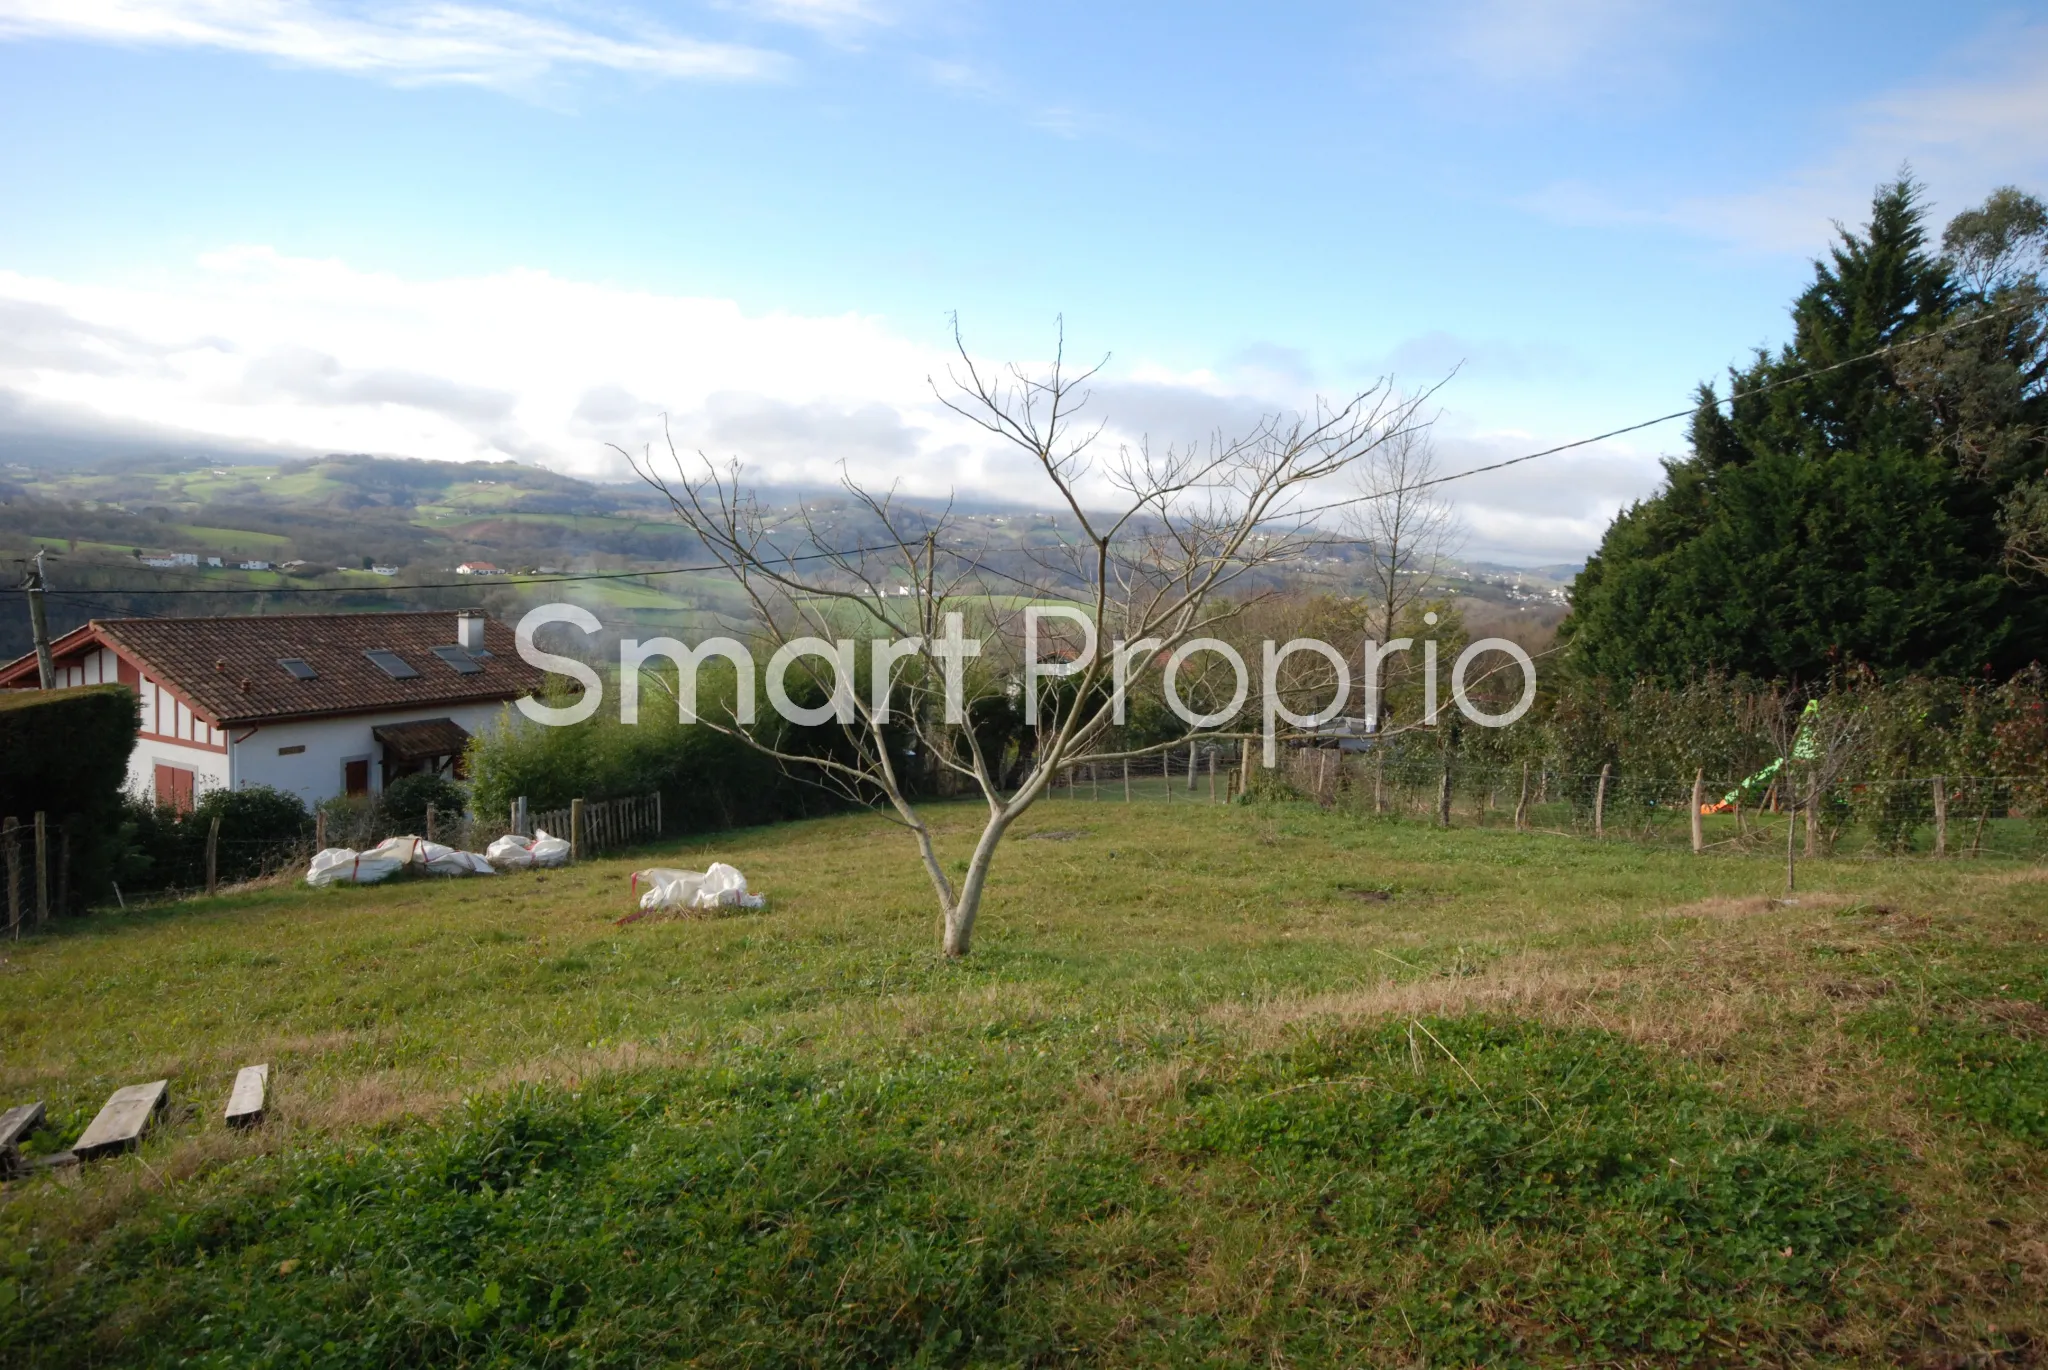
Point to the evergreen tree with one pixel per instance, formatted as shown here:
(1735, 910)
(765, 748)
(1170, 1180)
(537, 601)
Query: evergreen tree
(1841, 508)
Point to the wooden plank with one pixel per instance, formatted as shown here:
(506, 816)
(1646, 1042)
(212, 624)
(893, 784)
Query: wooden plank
(121, 1123)
(18, 1122)
(246, 1101)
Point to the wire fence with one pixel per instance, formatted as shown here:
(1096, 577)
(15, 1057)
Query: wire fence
(1929, 815)
(1966, 816)
(40, 871)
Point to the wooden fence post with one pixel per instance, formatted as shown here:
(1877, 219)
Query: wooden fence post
(320, 830)
(1940, 816)
(213, 855)
(1600, 801)
(658, 828)
(1443, 792)
(10, 837)
(1212, 775)
(1522, 804)
(1127, 780)
(431, 815)
(64, 868)
(575, 830)
(42, 872)
(1699, 820)
(1379, 779)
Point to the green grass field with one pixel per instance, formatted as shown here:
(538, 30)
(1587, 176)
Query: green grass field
(1221, 1085)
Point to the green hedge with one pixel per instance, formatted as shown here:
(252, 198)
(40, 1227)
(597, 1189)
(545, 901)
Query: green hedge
(64, 754)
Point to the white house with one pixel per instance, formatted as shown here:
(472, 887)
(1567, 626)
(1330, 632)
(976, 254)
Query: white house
(318, 704)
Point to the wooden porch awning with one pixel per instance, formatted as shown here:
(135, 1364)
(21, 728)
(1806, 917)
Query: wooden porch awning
(425, 740)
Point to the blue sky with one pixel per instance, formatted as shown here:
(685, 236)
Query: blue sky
(469, 230)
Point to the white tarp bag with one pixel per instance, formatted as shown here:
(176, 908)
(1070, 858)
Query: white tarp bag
(510, 852)
(345, 866)
(549, 851)
(725, 887)
(440, 860)
(668, 889)
(720, 887)
(403, 850)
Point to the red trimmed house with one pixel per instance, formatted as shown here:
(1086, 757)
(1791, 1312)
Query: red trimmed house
(318, 704)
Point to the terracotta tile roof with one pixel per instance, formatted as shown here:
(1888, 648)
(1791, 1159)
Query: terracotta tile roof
(229, 667)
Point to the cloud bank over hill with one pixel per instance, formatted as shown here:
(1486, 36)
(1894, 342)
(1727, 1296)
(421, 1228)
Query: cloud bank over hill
(254, 350)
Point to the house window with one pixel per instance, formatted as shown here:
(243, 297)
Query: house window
(355, 777)
(174, 788)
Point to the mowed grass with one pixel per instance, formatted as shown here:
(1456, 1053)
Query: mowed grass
(1225, 1084)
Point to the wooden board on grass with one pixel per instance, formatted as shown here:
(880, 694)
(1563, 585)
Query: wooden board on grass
(123, 1120)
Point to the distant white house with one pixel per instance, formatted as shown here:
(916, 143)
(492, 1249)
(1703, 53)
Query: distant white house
(213, 561)
(477, 568)
(318, 704)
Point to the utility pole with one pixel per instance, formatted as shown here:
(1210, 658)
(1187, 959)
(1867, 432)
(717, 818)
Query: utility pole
(36, 582)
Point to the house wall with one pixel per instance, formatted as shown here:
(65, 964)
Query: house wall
(315, 773)
(171, 734)
(209, 767)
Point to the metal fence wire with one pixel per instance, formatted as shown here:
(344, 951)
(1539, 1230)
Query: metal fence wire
(1976, 816)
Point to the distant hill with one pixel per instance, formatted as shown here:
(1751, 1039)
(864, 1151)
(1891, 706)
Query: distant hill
(356, 531)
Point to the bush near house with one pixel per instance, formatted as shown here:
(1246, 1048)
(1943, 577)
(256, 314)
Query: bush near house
(64, 754)
(260, 828)
(406, 800)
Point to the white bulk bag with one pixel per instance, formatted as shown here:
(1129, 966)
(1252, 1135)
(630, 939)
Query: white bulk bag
(442, 860)
(345, 866)
(725, 887)
(549, 851)
(510, 852)
(668, 889)
(720, 887)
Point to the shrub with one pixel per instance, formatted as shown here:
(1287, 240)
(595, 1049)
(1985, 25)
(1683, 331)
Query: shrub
(64, 753)
(260, 828)
(405, 801)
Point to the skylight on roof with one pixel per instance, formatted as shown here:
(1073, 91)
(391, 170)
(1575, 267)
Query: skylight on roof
(460, 661)
(391, 664)
(298, 668)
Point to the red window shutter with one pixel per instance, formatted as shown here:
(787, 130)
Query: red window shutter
(174, 787)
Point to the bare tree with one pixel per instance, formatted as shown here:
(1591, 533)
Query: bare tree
(1186, 524)
(1407, 529)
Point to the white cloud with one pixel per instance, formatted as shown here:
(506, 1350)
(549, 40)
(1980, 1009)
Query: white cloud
(256, 351)
(1543, 511)
(407, 43)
